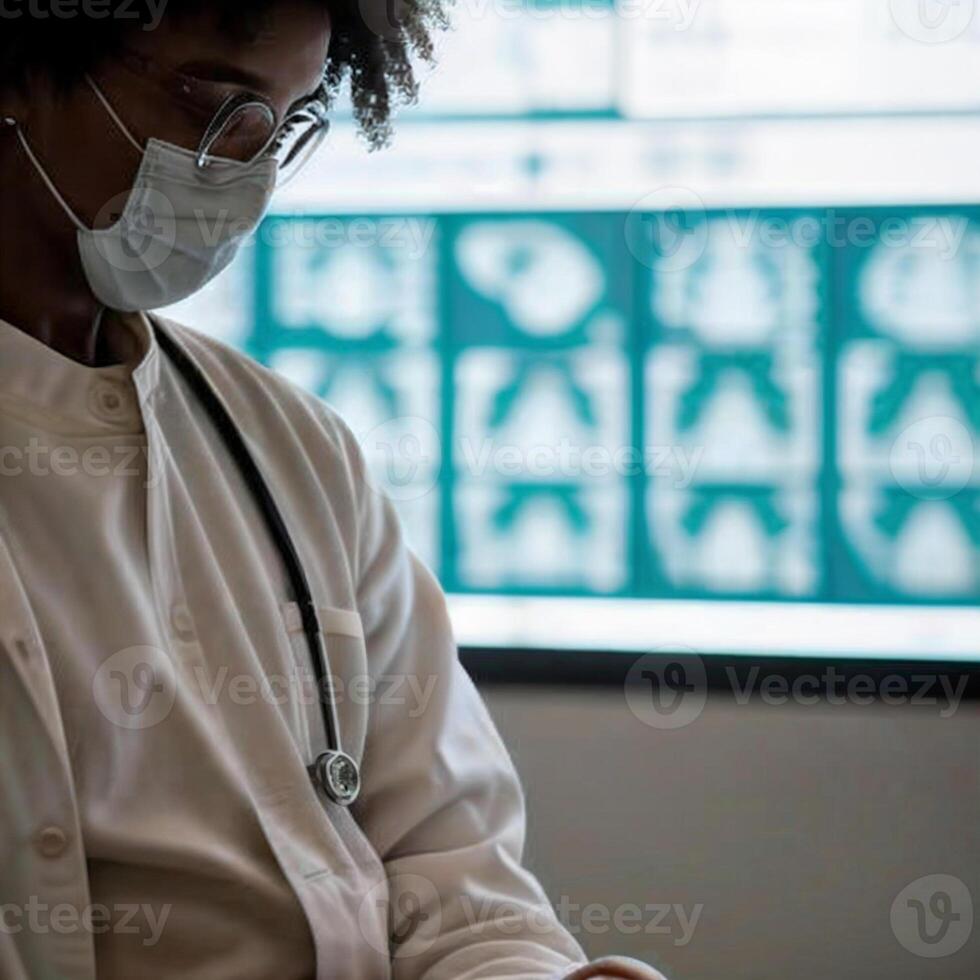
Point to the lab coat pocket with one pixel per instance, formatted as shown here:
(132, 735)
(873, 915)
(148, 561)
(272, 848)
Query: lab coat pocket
(348, 671)
(356, 891)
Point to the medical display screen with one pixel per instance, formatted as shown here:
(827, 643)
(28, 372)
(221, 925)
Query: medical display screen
(660, 323)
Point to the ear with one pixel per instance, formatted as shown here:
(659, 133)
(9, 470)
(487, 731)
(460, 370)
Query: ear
(13, 106)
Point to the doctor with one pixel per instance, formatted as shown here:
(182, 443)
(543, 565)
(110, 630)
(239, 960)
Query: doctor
(236, 741)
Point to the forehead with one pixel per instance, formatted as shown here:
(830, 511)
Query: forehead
(281, 52)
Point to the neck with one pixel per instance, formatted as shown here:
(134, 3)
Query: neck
(43, 290)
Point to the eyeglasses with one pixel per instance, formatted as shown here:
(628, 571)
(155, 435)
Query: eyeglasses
(240, 125)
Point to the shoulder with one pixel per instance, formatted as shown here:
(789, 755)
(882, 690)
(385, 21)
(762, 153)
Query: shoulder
(276, 413)
(241, 379)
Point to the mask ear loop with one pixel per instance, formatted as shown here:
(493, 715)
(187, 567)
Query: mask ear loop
(123, 128)
(43, 174)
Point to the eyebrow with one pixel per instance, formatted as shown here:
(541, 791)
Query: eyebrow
(223, 71)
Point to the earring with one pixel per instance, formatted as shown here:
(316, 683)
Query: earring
(9, 121)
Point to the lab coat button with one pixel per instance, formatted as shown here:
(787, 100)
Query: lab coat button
(51, 841)
(181, 621)
(109, 401)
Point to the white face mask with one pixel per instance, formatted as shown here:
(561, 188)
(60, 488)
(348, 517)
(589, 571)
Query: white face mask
(181, 225)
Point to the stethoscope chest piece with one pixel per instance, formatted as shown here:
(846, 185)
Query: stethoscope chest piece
(337, 774)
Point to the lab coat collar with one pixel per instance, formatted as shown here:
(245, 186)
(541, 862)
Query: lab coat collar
(71, 397)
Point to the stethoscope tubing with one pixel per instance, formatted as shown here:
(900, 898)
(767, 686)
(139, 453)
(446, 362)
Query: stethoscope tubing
(234, 440)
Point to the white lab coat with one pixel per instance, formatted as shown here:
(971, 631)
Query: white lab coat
(436, 835)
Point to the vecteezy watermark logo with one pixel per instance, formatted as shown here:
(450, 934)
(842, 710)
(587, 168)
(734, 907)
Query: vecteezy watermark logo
(386, 19)
(667, 689)
(933, 458)
(143, 235)
(412, 692)
(650, 919)
(402, 233)
(405, 456)
(566, 459)
(36, 917)
(678, 14)
(411, 907)
(147, 13)
(666, 230)
(932, 21)
(45, 459)
(933, 916)
(136, 687)
(834, 687)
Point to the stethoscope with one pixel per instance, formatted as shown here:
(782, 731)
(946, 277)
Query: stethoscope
(334, 771)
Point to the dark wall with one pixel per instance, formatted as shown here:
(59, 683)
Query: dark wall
(794, 828)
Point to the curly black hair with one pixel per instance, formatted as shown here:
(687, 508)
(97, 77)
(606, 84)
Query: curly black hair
(372, 46)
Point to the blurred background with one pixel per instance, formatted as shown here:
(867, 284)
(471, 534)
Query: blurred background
(660, 323)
